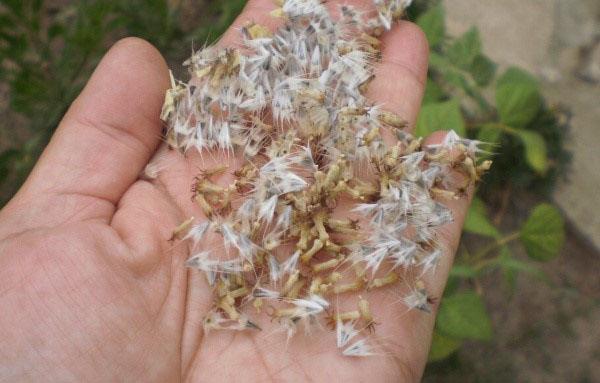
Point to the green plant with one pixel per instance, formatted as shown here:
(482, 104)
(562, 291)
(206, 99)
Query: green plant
(465, 94)
(47, 53)
(527, 134)
(462, 314)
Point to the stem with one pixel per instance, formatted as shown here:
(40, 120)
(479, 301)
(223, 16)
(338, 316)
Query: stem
(481, 263)
(506, 193)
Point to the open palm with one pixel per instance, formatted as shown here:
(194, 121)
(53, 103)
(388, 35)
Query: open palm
(91, 288)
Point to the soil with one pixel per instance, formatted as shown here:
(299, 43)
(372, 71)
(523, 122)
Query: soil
(544, 331)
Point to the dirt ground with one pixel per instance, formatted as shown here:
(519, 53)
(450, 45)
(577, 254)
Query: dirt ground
(563, 51)
(544, 332)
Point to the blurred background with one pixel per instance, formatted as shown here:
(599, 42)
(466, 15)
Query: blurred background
(523, 300)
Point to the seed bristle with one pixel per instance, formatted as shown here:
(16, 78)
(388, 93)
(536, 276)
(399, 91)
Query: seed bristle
(292, 108)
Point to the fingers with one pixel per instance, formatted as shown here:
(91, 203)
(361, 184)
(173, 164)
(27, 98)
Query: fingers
(255, 11)
(448, 235)
(400, 78)
(398, 85)
(106, 137)
(415, 328)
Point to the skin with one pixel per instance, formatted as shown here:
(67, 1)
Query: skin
(91, 289)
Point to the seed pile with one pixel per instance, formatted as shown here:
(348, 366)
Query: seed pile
(333, 196)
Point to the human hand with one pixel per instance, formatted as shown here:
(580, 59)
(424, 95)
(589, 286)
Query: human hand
(92, 289)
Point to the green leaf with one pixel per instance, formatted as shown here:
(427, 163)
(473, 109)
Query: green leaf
(482, 70)
(516, 75)
(524, 267)
(518, 98)
(433, 92)
(463, 271)
(433, 24)
(543, 233)
(463, 51)
(463, 316)
(16, 6)
(449, 72)
(457, 78)
(442, 346)
(439, 62)
(440, 116)
(508, 271)
(535, 150)
(452, 285)
(477, 221)
(490, 134)
(37, 5)
(511, 267)
(55, 30)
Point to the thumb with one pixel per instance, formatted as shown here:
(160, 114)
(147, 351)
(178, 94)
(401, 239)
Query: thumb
(105, 139)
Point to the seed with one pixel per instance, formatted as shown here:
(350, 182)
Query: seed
(330, 264)
(390, 278)
(357, 285)
(317, 245)
(181, 230)
(347, 316)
